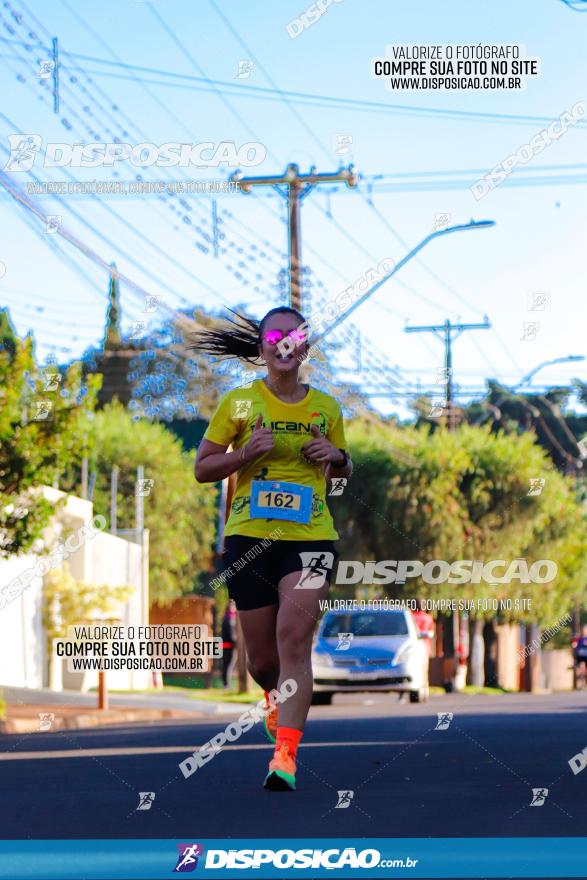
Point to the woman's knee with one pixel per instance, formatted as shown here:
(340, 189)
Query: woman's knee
(263, 665)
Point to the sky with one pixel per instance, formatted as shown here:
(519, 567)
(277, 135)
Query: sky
(153, 72)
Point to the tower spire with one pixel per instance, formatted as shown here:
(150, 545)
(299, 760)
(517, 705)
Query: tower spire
(112, 338)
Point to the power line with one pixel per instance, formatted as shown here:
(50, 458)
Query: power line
(136, 232)
(26, 202)
(39, 312)
(556, 413)
(418, 260)
(310, 131)
(269, 78)
(138, 80)
(257, 92)
(53, 243)
(230, 106)
(190, 58)
(48, 302)
(576, 5)
(227, 103)
(231, 109)
(296, 187)
(450, 332)
(261, 254)
(124, 133)
(115, 248)
(434, 275)
(107, 208)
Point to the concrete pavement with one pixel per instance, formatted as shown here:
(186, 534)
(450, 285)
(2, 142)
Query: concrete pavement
(73, 710)
(473, 779)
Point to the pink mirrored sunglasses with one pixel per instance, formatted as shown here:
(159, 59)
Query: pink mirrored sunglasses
(272, 337)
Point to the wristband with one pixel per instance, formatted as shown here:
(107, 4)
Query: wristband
(345, 460)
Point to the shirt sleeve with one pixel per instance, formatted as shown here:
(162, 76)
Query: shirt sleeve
(223, 428)
(336, 432)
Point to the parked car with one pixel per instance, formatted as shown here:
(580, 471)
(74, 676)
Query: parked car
(369, 650)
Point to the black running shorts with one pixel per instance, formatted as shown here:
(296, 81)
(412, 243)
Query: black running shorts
(253, 567)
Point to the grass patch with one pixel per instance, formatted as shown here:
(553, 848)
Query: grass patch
(214, 695)
(185, 682)
(486, 691)
(221, 696)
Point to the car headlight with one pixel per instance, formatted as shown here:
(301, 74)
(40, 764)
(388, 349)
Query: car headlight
(404, 655)
(320, 658)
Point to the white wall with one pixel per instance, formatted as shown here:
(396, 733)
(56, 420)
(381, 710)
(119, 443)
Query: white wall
(102, 559)
(556, 670)
(112, 561)
(22, 643)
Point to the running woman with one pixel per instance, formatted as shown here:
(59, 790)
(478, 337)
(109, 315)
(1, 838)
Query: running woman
(287, 440)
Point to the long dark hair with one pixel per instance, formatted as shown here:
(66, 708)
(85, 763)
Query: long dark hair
(242, 339)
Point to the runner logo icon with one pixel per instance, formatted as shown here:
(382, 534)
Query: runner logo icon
(344, 799)
(539, 795)
(344, 641)
(187, 859)
(315, 567)
(338, 486)
(444, 719)
(146, 799)
(23, 151)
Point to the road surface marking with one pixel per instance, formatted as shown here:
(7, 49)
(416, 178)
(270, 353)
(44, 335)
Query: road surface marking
(172, 750)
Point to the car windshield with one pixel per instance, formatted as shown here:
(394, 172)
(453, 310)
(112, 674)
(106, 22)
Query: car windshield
(390, 623)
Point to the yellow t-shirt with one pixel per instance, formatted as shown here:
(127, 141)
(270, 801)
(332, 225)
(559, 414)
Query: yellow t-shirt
(233, 423)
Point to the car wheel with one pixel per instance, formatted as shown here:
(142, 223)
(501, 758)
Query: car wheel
(420, 696)
(321, 698)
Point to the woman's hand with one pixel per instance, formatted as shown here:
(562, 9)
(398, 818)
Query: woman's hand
(319, 450)
(261, 441)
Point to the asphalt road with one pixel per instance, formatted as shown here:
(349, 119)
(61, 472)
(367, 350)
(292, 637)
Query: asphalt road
(474, 779)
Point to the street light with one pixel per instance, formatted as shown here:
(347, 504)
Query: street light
(462, 227)
(559, 360)
(528, 376)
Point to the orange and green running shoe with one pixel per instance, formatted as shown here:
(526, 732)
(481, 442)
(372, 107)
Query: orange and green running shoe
(282, 770)
(270, 721)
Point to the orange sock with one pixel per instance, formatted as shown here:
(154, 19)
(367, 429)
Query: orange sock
(288, 735)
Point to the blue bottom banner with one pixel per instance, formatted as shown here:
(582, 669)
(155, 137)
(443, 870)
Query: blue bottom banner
(482, 857)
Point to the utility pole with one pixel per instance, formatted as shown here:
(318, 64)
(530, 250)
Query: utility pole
(139, 504)
(445, 333)
(113, 499)
(295, 187)
(84, 480)
(55, 44)
(215, 227)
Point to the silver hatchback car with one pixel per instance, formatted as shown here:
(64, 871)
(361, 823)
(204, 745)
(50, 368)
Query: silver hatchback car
(369, 650)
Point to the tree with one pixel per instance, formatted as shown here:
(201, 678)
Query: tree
(8, 337)
(557, 428)
(179, 512)
(42, 435)
(464, 495)
(67, 602)
(156, 374)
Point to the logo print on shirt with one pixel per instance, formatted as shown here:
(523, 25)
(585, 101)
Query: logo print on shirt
(293, 427)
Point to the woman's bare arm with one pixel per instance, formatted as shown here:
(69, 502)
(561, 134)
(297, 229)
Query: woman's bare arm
(214, 463)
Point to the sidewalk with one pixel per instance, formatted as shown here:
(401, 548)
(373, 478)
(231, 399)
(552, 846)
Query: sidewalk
(73, 710)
